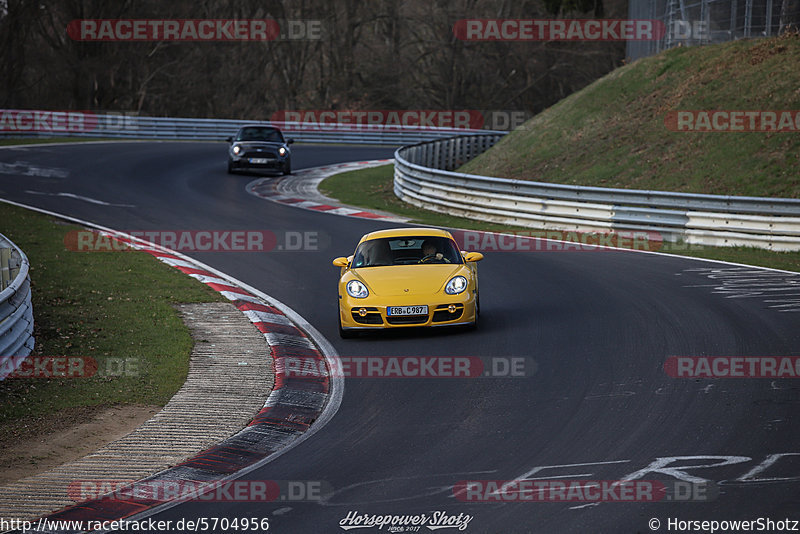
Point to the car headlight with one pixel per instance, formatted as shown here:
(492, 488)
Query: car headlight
(357, 290)
(282, 151)
(456, 285)
(237, 149)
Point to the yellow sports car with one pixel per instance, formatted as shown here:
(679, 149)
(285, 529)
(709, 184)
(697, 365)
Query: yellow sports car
(407, 277)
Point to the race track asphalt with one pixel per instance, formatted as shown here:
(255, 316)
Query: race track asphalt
(599, 326)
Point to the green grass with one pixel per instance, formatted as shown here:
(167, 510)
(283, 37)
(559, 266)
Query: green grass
(109, 306)
(372, 189)
(613, 132)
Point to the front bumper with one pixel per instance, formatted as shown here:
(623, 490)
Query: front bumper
(277, 164)
(371, 313)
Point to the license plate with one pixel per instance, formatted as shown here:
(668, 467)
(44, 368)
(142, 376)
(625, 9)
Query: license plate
(407, 310)
(261, 161)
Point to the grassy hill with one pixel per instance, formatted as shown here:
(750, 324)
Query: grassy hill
(613, 133)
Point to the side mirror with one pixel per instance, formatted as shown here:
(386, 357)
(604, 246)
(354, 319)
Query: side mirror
(289, 141)
(229, 139)
(340, 262)
(473, 256)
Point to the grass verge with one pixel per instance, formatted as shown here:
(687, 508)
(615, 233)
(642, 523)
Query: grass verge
(113, 307)
(616, 132)
(372, 188)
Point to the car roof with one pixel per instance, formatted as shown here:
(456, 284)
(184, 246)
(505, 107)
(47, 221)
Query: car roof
(267, 126)
(410, 232)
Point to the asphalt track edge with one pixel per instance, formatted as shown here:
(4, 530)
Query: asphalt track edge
(335, 390)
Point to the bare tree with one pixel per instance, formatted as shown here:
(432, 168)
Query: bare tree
(372, 54)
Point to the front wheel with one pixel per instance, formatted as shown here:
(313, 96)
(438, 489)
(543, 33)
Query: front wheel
(474, 325)
(230, 167)
(287, 167)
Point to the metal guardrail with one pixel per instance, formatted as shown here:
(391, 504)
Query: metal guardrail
(424, 177)
(16, 311)
(33, 123)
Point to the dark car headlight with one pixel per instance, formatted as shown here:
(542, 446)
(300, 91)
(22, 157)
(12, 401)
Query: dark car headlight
(236, 150)
(282, 151)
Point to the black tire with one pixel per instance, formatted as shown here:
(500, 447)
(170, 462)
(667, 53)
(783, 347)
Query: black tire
(287, 167)
(474, 325)
(230, 167)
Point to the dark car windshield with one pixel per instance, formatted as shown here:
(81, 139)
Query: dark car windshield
(260, 134)
(410, 250)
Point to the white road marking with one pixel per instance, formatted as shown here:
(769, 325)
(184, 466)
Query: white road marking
(79, 197)
(778, 290)
(769, 461)
(22, 168)
(660, 465)
(584, 506)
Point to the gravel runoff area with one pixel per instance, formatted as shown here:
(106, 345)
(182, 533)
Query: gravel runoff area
(230, 377)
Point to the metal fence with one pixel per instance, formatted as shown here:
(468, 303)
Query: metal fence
(423, 177)
(16, 311)
(710, 21)
(38, 123)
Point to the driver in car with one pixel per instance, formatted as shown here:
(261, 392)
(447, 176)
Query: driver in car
(431, 254)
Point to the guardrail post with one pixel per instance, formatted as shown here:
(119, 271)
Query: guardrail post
(5, 268)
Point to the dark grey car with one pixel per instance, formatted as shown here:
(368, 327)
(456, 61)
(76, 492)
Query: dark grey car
(259, 148)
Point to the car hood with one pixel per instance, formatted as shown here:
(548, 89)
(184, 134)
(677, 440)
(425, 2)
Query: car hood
(258, 144)
(408, 279)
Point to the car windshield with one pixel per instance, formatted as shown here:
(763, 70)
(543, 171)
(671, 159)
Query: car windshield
(260, 134)
(407, 250)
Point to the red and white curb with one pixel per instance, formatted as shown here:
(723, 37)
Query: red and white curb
(293, 406)
(299, 190)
